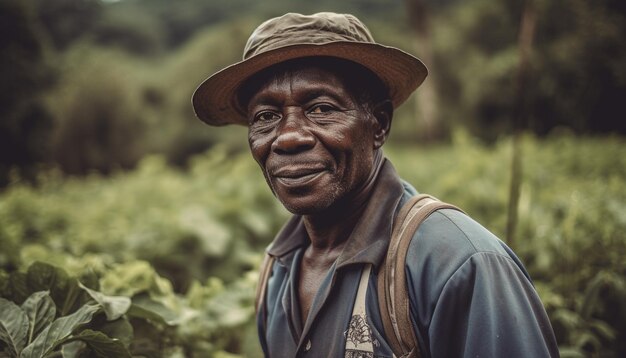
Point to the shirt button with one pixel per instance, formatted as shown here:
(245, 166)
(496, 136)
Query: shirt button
(308, 346)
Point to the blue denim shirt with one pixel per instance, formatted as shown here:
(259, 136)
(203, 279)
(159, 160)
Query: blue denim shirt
(470, 296)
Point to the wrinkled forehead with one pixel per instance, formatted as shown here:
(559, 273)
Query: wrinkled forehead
(302, 73)
(352, 76)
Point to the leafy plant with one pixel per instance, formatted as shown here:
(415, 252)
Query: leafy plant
(147, 320)
(30, 330)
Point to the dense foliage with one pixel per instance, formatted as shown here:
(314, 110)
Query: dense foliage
(98, 84)
(174, 253)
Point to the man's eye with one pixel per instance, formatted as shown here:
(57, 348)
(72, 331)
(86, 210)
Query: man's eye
(321, 108)
(266, 116)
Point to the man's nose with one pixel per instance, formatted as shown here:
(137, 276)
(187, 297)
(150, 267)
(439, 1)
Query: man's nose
(293, 134)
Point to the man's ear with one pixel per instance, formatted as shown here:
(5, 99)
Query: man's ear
(383, 113)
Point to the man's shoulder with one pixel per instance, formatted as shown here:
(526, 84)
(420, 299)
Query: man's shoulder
(448, 239)
(451, 244)
(452, 229)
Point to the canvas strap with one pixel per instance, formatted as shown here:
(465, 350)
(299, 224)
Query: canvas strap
(265, 271)
(393, 295)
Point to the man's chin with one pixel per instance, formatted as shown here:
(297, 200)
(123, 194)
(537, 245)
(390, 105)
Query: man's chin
(304, 205)
(301, 209)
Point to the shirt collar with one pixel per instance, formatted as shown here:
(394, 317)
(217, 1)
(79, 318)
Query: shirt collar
(369, 240)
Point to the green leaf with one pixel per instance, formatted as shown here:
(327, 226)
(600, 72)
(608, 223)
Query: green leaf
(13, 326)
(102, 345)
(145, 307)
(114, 306)
(41, 276)
(58, 331)
(40, 310)
(18, 286)
(73, 349)
(119, 329)
(74, 297)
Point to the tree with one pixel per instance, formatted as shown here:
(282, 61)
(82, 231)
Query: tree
(427, 98)
(25, 122)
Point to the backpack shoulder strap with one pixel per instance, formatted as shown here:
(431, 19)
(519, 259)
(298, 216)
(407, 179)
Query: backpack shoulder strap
(393, 296)
(265, 271)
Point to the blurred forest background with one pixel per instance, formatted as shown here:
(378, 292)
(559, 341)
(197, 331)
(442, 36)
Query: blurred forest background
(107, 178)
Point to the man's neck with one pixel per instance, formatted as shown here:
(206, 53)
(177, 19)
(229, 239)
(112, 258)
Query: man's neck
(330, 230)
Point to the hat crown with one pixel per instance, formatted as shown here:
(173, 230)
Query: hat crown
(297, 29)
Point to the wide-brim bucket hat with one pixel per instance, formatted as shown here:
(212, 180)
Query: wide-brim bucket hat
(293, 36)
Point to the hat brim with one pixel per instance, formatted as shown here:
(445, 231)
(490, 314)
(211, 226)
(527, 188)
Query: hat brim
(215, 100)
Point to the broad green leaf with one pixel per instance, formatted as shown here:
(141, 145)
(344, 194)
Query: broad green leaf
(72, 294)
(119, 329)
(136, 311)
(90, 279)
(58, 331)
(73, 349)
(13, 326)
(42, 276)
(102, 345)
(114, 306)
(145, 307)
(40, 310)
(18, 286)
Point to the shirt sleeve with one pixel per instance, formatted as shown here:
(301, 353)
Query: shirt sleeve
(489, 308)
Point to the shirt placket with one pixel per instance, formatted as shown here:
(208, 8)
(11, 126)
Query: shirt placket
(319, 301)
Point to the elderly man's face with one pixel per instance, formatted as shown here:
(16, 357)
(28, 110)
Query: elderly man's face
(313, 141)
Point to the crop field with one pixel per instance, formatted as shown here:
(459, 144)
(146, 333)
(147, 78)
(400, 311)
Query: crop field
(161, 261)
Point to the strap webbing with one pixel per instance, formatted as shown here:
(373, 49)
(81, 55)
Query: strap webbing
(393, 295)
(265, 272)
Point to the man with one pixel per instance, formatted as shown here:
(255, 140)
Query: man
(317, 95)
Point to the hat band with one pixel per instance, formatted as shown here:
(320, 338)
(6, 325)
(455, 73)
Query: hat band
(301, 37)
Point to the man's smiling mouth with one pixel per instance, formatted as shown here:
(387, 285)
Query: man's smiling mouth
(297, 176)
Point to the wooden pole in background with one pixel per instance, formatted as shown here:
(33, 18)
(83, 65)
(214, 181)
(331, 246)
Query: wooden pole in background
(525, 43)
(426, 100)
